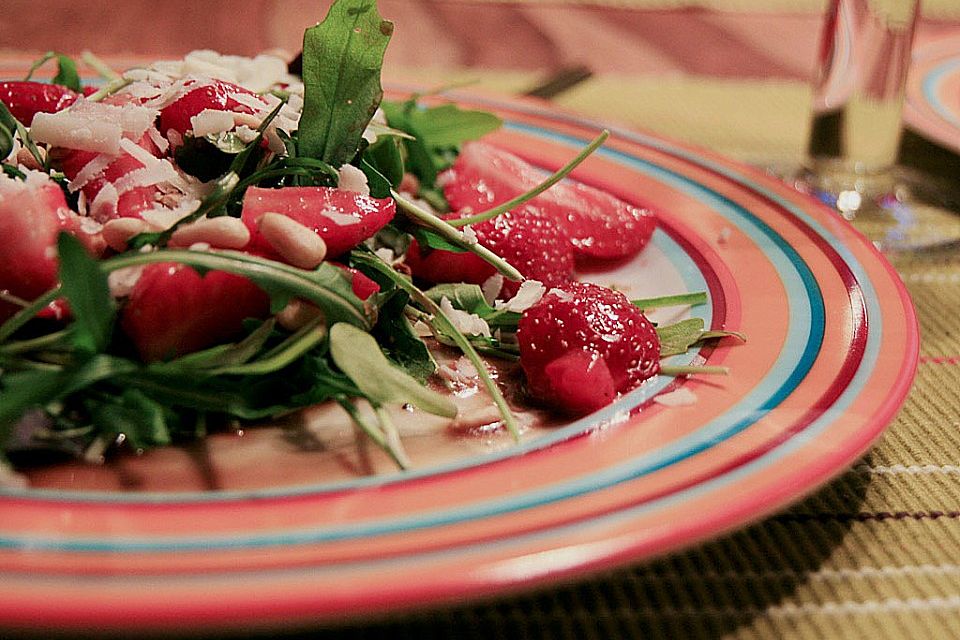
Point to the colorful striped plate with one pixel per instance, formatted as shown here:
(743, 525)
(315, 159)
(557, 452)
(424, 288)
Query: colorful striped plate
(932, 105)
(831, 353)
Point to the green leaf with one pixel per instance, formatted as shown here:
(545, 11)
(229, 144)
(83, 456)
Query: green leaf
(139, 418)
(7, 119)
(67, 75)
(222, 355)
(385, 156)
(25, 390)
(683, 299)
(6, 141)
(358, 355)
(86, 289)
(397, 338)
(448, 125)
(379, 184)
(469, 298)
(342, 57)
(428, 239)
(678, 338)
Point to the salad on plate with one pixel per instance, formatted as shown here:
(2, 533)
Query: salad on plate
(214, 242)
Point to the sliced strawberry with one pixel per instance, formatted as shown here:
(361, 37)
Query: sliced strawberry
(597, 321)
(600, 226)
(131, 201)
(217, 95)
(26, 99)
(343, 219)
(363, 287)
(29, 223)
(525, 237)
(174, 310)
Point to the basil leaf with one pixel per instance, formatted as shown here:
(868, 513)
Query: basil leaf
(342, 57)
(358, 355)
(67, 75)
(85, 287)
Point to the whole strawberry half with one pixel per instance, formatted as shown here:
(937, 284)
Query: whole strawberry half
(620, 347)
(342, 218)
(217, 95)
(599, 225)
(173, 310)
(525, 237)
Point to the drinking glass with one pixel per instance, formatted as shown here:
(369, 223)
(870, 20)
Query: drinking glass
(858, 93)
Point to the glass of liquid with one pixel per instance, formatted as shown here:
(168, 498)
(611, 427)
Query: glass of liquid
(852, 154)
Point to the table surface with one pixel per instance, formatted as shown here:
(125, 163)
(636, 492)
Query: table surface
(876, 553)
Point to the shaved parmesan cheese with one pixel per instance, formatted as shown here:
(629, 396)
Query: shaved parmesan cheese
(210, 121)
(491, 288)
(66, 130)
(385, 254)
(92, 126)
(91, 170)
(528, 295)
(682, 397)
(158, 139)
(255, 103)
(122, 281)
(341, 219)
(353, 179)
(467, 323)
(161, 217)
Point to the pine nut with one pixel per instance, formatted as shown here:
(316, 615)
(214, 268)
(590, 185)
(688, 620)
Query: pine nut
(222, 232)
(298, 245)
(26, 158)
(117, 232)
(296, 314)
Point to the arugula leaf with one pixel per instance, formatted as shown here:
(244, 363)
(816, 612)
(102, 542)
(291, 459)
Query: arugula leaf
(678, 338)
(428, 239)
(141, 419)
(397, 339)
(448, 125)
(6, 141)
(67, 75)
(682, 299)
(86, 288)
(436, 133)
(469, 298)
(358, 355)
(342, 57)
(24, 390)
